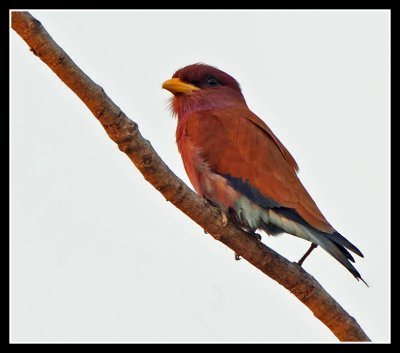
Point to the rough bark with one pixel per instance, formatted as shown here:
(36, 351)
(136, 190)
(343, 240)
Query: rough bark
(125, 133)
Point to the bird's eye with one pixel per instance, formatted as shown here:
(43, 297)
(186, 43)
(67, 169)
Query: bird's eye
(212, 81)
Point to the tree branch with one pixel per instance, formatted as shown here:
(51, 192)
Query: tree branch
(125, 133)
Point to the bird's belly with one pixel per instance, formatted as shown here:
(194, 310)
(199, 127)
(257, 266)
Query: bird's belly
(208, 184)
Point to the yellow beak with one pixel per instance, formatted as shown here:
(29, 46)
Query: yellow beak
(175, 85)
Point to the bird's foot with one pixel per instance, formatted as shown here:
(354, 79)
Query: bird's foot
(224, 219)
(237, 256)
(308, 252)
(258, 237)
(252, 233)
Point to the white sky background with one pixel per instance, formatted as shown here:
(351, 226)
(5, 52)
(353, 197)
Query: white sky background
(97, 254)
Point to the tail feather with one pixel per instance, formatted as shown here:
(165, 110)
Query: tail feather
(336, 250)
(345, 252)
(335, 244)
(341, 240)
(288, 216)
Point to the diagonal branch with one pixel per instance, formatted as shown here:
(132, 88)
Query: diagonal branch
(125, 133)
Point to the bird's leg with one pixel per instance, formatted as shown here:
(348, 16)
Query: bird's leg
(237, 221)
(251, 233)
(223, 214)
(312, 247)
(232, 215)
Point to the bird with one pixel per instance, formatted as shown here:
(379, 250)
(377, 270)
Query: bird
(234, 161)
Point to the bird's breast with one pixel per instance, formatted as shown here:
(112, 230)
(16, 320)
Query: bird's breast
(206, 183)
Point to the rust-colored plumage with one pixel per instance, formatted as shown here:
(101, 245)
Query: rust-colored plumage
(235, 161)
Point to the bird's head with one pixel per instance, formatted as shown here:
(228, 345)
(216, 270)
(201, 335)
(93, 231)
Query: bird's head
(200, 87)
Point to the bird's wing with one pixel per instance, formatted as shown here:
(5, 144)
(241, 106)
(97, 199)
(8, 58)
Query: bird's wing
(237, 144)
